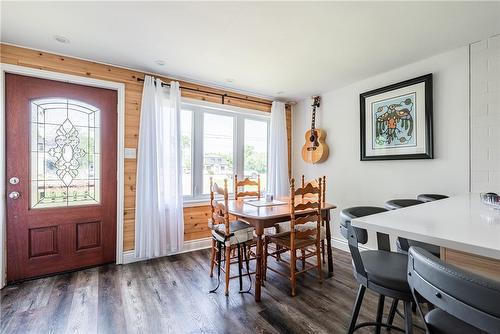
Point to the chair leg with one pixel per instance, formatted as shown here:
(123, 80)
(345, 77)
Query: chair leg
(264, 260)
(212, 259)
(357, 307)
(240, 267)
(323, 251)
(318, 260)
(303, 258)
(228, 268)
(278, 255)
(293, 278)
(392, 311)
(380, 312)
(408, 318)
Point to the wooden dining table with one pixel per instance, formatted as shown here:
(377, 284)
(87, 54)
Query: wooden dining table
(261, 217)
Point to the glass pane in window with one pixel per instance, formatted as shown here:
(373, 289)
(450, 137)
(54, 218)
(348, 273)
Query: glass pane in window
(217, 150)
(65, 155)
(255, 155)
(186, 151)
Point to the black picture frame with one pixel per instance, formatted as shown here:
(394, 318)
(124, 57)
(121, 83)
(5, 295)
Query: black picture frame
(429, 146)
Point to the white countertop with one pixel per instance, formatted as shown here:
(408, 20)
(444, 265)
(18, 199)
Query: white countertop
(462, 223)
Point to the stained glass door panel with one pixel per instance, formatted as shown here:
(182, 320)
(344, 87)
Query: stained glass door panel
(65, 154)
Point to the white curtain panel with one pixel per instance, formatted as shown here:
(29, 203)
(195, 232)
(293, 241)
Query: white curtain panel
(278, 152)
(159, 221)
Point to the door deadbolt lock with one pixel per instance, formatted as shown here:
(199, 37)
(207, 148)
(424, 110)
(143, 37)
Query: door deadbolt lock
(14, 195)
(14, 180)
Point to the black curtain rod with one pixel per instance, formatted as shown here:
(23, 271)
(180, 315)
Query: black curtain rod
(163, 84)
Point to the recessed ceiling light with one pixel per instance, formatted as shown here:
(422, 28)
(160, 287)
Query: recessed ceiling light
(229, 80)
(160, 62)
(61, 39)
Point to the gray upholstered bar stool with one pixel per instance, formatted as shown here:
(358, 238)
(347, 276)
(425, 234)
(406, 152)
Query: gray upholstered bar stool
(465, 302)
(430, 197)
(404, 244)
(381, 271)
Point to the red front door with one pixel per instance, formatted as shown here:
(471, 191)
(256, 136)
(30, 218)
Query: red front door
(61, 176)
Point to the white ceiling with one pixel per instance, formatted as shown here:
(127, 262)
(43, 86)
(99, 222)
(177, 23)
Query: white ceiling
(298, 48)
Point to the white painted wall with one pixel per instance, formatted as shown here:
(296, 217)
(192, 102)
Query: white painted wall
(351, 182)
(485, 115)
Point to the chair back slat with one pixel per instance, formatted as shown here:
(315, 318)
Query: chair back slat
(313, 202)
(247, 194)
(308, 189)
(307, 205)
(218, 190)
(246, 182)
(467, 296)
(218, 208)
(218, 219)
(306, 219)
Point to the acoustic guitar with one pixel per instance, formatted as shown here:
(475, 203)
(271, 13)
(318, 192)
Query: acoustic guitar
(315, 149)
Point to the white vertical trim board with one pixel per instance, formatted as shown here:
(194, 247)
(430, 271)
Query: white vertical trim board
(32, 72)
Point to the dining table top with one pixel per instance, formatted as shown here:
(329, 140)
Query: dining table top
(244, 209)
(460, 222)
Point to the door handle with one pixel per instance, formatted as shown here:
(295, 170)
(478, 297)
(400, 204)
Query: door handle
(14, 195)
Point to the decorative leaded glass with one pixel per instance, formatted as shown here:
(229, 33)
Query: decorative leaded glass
(65, 153)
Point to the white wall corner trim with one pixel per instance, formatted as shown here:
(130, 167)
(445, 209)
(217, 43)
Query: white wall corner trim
(120, 88)
(189, 246)
(341, 244)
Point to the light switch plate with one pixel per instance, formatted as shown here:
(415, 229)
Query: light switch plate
(130, 153)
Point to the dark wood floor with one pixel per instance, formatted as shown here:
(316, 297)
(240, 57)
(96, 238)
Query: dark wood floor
(170, 295)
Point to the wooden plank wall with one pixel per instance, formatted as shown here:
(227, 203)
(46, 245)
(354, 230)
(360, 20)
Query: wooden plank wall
(195, 217)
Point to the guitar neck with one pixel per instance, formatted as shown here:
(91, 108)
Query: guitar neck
(313, 119)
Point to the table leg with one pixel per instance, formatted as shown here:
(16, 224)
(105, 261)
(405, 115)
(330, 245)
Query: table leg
(258, 269)
(329, 243)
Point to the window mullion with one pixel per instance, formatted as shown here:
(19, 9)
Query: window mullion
(239, 144)
(198, 162)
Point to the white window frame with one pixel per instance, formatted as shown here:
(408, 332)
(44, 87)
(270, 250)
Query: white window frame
(199, 109)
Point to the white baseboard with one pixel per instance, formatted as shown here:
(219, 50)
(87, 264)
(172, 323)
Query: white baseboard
(194, 245)
(341, 243)
(189, 246)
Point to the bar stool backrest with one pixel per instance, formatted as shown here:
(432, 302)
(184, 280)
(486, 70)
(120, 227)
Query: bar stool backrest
(472, 298)
(356, 235)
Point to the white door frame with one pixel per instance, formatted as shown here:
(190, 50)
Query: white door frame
(32, 72)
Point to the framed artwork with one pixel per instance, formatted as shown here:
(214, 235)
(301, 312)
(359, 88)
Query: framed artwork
(396, 121)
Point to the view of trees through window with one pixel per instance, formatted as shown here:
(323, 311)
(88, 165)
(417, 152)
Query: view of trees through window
(255, 158)
(217, 150)
(214, 149)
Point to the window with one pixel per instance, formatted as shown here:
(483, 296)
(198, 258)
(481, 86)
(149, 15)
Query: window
(218, 147)
(219, 143)
(65, 153)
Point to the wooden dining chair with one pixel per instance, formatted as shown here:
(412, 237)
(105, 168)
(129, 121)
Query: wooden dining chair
(285, 226)
(241, 190)
(304, 232)
(226, 236)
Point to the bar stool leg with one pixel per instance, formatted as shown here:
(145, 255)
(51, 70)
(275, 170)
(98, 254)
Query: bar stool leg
(380, 311)
(357, 307)
(408, 318)
(392, 312)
